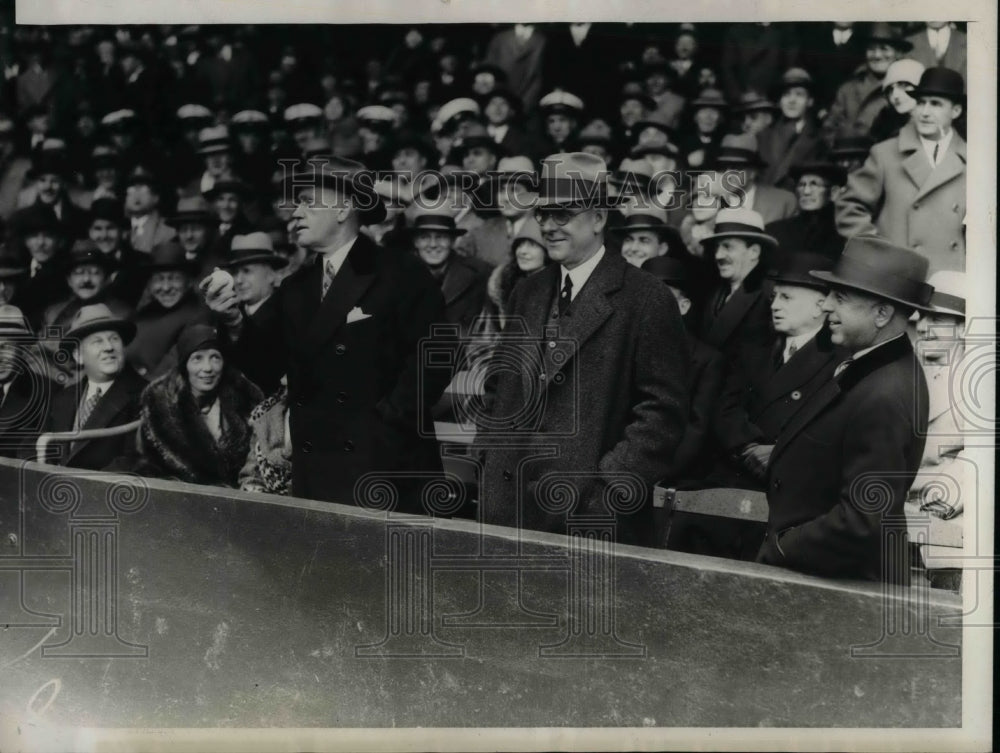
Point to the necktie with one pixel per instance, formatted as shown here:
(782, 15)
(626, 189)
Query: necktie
(934, 158)
(87, 408)
(566, 296)
(510, 230)
(842, 367)
(790, 351)
(328, 275)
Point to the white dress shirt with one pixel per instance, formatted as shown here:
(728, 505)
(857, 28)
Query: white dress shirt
(498, 132)
(138, 223)
(92, 389)
(842, 36)
(798, 342)
(942, 144)
(524, 31)
(938, 39)
(579, 32)
(579, 275)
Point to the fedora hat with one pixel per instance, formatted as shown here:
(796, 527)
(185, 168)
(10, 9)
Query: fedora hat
(10, 266)
(794, 269)
(504, 93)
(830, 171)
(574, 178)
(191, 210)
(655, 120)
(518, 169)
(340, 174)
(85, 251)
(739, 149)
(753, 101)
(851, 146)
(740, 223)
(169, 255)
(48, 162)
(796, 77)
(107, 209)
(949, 292)
(941, 82)
(651, 219)
(887, 34)
(635, 173)
(13, 322)
(214, 140)
(671, 271)
(254, 248)
(37, 218)
(709, 98)
(96, 317)
(875, 266)
(435, 219)
(228, 185)
(596, 133)
(142, 176)
(647, 102)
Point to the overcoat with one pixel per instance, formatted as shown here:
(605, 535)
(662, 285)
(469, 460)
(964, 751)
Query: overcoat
(597, 398)
(359, 394)
(898, 194)
(120, 405)
(841, 468)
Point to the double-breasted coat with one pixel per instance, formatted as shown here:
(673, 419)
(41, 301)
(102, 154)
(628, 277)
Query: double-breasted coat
(898, 194)
(744, 319)
(359, 394)
(843, 465)
(589, 399)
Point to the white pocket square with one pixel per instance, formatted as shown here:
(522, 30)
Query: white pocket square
(356, 315)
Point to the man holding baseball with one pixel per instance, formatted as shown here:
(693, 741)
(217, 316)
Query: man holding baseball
(348, 331)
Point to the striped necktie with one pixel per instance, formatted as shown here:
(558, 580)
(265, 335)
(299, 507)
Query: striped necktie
(87, 408)
(841, 368)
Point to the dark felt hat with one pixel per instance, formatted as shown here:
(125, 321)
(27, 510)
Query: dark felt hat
(169, 255)
(888, 34)
(830, 171)
(795, 267)
(875, 266)
(85, 251)
(197, 337)
(341, 174)
(941, 82)
(431, 219)
(107, 209)
(672, 271)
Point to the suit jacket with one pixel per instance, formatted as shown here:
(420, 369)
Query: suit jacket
(260, 366)
(23, 412)
(781, 148)
(829, 64)
(955, 57)
(774, 203)
(522, 62)
(708, 368)
(843, 465)
(744, 319)
(855, 105)
(153, 232)
(359, 393)
(603, 400)
(760, 398)
(898, 195)
(464, 290)
(118, 406)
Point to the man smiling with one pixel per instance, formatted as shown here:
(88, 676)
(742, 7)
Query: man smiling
(841, 468)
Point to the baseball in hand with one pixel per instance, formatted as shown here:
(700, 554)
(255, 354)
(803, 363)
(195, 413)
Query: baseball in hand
(218, 286)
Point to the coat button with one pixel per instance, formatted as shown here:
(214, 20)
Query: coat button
(348, 446)
(796, 395)
(954, 244)
(777, 484)
(340, 349)
(916, 205)
(341, 397)
(307, 447)
(507, 475)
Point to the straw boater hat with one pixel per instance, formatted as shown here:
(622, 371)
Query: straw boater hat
(214, 140)
(435, 219)
(740, 223)
(949, 293)
(875, 266)
(13, 322)
(254, 248)
(574, 178)
(96, 317)
(342, 175)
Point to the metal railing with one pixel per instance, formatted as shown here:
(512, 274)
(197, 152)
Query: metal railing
(42, 445)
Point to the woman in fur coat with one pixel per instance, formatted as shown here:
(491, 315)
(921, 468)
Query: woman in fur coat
(268, 466)
(194, 423)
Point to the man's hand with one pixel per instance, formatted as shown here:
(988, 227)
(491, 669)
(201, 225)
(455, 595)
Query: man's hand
(756, 457)
(220, 296)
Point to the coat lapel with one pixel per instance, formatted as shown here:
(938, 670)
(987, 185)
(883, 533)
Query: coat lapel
(951, 167)
(914, 161)
(354, 278)
(813, 407)
(801, 368)
(457, 279)
(106, 409)
(731, 315)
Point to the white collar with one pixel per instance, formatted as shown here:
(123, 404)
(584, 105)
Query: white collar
(336, 259)
(252, 308)
(841, 36)
(524, 31)
(579, 32)
(93, 387)
(800, 341)
(579, 275)
(517, 224)
(6, 388)
(869, 349)
(139, 222)
(498, 132)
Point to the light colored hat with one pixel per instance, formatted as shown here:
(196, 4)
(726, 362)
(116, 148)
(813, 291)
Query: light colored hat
(905, 71)
(303, 111)
(740, 222)
(796, 77)
(213, 140)
(248, 118)
(377, 114)
(12, 321)
(517, 163)
(118, 117)
(254, 248)
(949, 292)
(199, 112)
(574, 177)
(455, 107)
(560, 101)
(97, 318)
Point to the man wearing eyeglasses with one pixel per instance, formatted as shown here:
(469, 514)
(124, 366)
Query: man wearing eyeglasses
(814, 228)
(591, 374)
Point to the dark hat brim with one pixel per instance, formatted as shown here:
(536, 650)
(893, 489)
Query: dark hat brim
(931, 91)
(264, 257)
(227, 186)
(99, 259)
(899, 43)
(749, 159)
(370, 206)
(11, 273)
(831, 278)
(123, 327)
(798, 279)
(454, 231)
